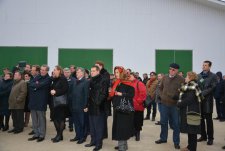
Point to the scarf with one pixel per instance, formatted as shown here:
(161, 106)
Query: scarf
(116, 84)
(151, 81)
(192, 85)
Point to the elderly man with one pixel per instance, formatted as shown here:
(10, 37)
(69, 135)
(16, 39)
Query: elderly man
(169, 95)
(17, 101)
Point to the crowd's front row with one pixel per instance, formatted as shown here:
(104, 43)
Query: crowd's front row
(184, 103)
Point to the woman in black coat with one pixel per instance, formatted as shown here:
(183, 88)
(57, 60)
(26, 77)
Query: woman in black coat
(190, 102)
(59, 87)
(123, 127)
(5, 89)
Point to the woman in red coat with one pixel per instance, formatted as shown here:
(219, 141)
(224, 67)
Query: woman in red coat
(139, 98)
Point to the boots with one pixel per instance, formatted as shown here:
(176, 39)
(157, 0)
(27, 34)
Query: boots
(27, 119)
(137, 136)
(6, 127)
(59, 129)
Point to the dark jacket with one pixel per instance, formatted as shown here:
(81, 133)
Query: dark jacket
(123, 124)
(70, 81)
(207, 83)
(107, 103)
(189, 102)
(39, 89)
(97, 95)
(18, 95)
(5, 89)
(145, 80)
(218, 90)
(60, 85)
(80, 92)
(223, 93)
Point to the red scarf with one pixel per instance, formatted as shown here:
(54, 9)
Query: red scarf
(150, 82)
(116, 83)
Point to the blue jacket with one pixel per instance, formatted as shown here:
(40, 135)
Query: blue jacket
(80, 92)
(39, 90)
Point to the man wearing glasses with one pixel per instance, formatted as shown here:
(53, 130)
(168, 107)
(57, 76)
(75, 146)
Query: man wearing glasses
(169, 95)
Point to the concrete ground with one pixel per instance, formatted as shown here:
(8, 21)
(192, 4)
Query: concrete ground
(150, 133)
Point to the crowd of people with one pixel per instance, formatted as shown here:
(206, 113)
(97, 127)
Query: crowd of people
(184, 104)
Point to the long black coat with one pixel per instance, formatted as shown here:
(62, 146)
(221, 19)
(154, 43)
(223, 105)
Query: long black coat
(107, 103)
(188, 101)
(80, 92)
(39, 90)
(98, 94)
(207, 86)
(60, 85)
(5, 88)
(123, 124)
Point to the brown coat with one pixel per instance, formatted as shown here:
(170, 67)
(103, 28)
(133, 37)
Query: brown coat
(18, 95)
(169, 92)
(151, 89)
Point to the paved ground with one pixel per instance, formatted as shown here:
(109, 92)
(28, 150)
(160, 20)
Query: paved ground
(18, 142)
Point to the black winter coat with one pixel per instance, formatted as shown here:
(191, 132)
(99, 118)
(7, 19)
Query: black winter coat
(98, 95)
(188, 101)
(123, 124)
(60, 85)
(107, 103)
(207, 85)
(39, 90)
(80, 92)
(5, 88)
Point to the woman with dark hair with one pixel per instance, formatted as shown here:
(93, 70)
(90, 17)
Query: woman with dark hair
(123, 123)
(59, 90)
(5, 89)
(189, 104)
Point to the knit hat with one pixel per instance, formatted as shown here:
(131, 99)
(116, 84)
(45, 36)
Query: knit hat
(174, 65)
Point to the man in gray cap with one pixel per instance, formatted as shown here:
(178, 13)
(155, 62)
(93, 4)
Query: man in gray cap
(169, 95)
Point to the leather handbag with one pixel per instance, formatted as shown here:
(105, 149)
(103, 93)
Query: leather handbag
(59, 100)
(124, 106)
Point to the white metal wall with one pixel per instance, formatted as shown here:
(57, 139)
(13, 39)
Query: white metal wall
(133, 28)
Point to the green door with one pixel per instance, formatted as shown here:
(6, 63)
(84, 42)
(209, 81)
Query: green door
(86, 58)
(165, 57)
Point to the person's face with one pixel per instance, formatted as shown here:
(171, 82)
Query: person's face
(56, 73)
(7, 77)
(44, 71)
(100, 67)
(173, 71)
(159, 77)
(117, 74)
(152, 76)
(137, 74)
(131, 78)
(187, 79)
(27, 68)
(181, 74)
(205, 67)
(5, 71)
(67, 74)
(94, 72)
(72, 69)
(26, 77)
(79, 74)
(17, 76)
(128, 72)
(144, 76)
(33, 71)
(223, 77)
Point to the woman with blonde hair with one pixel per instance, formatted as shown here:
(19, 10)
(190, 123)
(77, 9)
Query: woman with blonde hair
(190, 114)
(122, 94)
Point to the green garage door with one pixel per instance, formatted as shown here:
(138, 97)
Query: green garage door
(85, 57)
(165, 57)
(10, 56)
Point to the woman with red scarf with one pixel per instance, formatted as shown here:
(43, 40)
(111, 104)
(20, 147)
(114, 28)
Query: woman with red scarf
(123, 127)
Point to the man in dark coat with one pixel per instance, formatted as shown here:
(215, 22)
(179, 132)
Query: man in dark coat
(207, 82)
(98, 94)
(80, 89)
(39, 89)
(106, 78)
